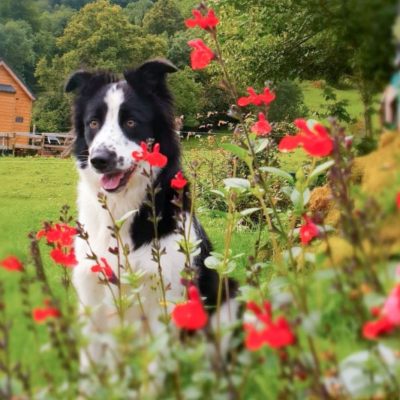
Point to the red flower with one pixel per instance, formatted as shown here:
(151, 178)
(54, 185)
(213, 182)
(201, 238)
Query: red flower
(376, 311)
(67, 259)
(208, 22)
(279, 334)
(373, 329)
(106, 270)
(201, 55)
(391, 308)
(262, 127)
(398, 200)
(154, 158)
(308, 231)
(40, 315)
(190, 315)
(265, 331)
(12, 263)
(312, 136)
(178, 182)
(60, 234)
(257, 99)
(388, 316)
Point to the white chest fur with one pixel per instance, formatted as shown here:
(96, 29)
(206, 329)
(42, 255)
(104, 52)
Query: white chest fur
(95, 220)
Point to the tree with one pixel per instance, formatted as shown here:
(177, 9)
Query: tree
(178, 49)
(137, 10)
(25, 10)
(99, 36)
(76, 4)
(186, 7)
(16, 46)
(188, 95)
(310, 39)
(53, 24)
(163, 17)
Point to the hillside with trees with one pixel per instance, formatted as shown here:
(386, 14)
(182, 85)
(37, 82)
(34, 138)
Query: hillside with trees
(280, 41)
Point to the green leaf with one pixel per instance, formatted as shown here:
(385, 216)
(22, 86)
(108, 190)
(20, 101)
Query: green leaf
(249, 211)
(238, 151)
(218, 192)
(306, 196)
(212, 262)
(262, 144)
(296, 198)
(310, 322)
(320, 169)
(279, 172)
(300, 199)
(125, 217)
(237, 183)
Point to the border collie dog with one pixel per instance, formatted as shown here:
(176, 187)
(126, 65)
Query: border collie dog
(111, 118)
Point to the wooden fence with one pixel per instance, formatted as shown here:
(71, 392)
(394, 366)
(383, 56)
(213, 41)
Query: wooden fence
(37, 143)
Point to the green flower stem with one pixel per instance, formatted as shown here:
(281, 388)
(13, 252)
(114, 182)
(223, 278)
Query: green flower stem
(156, 244)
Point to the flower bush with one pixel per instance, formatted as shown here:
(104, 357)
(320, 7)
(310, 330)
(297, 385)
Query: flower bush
(313, 325)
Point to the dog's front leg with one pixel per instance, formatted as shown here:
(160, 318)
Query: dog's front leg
(97, 314)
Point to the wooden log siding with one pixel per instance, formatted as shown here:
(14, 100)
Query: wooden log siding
(15, 108)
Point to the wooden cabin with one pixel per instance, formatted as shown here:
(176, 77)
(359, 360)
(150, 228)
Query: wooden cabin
(16, 102)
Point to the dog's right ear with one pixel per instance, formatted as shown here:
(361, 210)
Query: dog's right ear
(77, 81)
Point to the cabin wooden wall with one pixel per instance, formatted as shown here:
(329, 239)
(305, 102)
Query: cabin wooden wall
(13, 105)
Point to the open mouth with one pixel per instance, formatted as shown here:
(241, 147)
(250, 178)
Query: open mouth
(114, 181)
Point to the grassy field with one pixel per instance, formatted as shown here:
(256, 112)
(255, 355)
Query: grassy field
(34, 190)
(314, 100)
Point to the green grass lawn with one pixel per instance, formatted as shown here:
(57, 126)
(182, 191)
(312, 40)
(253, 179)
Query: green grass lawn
(35, 189)
(314, 100)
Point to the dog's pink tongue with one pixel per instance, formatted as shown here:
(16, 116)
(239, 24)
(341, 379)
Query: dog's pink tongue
(111, 181)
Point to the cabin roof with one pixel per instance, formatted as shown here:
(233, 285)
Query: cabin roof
(23, 86)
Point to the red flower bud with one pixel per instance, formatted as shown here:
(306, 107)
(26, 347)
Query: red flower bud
(178, 182)
(12, 263)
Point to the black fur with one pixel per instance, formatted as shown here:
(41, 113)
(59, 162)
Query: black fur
(149, 102)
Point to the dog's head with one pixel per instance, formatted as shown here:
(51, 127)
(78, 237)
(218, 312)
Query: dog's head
(112, 117)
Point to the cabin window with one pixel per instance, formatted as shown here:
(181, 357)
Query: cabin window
(19, 119)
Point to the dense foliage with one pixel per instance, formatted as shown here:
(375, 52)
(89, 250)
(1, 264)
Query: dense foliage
(308, 39)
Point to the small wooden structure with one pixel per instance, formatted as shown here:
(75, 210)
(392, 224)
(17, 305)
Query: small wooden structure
(45, 144)
(15, 104)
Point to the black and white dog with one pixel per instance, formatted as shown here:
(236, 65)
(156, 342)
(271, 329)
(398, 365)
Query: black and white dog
(111, 118)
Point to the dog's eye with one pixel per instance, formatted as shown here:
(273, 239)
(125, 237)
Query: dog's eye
(94, 124)
(130, 123)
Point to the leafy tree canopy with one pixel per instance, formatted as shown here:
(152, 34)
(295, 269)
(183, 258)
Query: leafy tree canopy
(137, 10)
(163, 17)
(188, 95)
(99, 36)
(25, 10)
(17, 47)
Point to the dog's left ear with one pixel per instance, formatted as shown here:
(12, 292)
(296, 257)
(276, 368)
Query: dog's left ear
(150, 76)
(77, 81)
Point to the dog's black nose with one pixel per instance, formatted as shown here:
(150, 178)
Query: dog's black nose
(104, 160)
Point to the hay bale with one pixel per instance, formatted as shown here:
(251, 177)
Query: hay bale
(375, 173)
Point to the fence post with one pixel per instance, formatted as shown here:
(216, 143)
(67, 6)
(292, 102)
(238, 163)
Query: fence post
(42, 144)
(13, 143)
